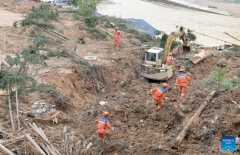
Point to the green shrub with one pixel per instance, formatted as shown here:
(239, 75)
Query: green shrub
(157, 32)
(40, 16)
(216, 78)
(100, 34)
(15, 24)
(189, 65)
(191, 36)
(91, 21)
(45, 87)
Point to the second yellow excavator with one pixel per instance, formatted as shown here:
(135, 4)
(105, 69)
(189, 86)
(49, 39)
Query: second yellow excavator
(154, 60)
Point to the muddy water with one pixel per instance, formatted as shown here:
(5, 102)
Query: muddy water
(165, 19)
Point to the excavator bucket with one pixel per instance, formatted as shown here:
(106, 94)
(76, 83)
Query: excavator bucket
(186, 49)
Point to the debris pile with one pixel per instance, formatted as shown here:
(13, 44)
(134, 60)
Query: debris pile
(58, 118)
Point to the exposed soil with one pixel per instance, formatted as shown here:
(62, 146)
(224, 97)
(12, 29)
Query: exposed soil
(139, 129)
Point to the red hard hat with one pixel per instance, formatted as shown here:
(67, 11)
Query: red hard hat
(181, 70)
(105, 113)
(118, 31)
(164, 85)
(170, 54)
(116, 27)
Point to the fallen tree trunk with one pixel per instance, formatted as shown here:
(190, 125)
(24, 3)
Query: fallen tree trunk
(184, 132)
(12, 35)
(5, 150)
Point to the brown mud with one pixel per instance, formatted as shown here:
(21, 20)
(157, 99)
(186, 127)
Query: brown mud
(139, 129)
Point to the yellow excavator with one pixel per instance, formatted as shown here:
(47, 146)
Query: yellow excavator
(154, 60)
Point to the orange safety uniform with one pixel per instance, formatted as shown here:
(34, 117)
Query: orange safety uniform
(115, 34)
(159, 93)
(102, 123)
(182, 81)
(117, 40)
(170, 60)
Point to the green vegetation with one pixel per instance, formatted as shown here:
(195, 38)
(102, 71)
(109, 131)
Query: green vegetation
(164, 40)
(189, 65)
(99, 33)
(191, 36)
(45, 88)
(15, 24)
(40, 16)
(216, 80)
(30, 56)
(87, 9)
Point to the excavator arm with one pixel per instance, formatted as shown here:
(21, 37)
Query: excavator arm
(179, 33)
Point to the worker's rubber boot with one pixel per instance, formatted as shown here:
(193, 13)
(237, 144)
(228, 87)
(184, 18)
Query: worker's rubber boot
(181, 98)
(106, 136)
(158, 108)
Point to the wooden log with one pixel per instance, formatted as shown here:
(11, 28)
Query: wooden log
(12, 35)
(34, 144)
(6, 150)
(59, 34)
(184, 132)
(236, 104)
(54, 35)
(11, 140)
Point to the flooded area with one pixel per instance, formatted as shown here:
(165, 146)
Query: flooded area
(165, 18)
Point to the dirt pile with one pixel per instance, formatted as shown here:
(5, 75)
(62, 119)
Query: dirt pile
(139, 129)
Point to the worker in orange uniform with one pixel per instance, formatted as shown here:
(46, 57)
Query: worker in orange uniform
(118, 39)
(170, 59)
(115, 34)
(159, 93)
(182, 81)
(102, 123)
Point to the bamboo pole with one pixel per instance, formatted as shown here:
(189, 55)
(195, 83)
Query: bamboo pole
(34, 144)
(42, 136)
(17, 106)
(65, 139)
(45, 148)
(10, 108)
(184, 132)
(231, 36)
(2, 53)
(215, 38)
(6, 150)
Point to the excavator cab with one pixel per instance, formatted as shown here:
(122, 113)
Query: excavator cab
(153, 67)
